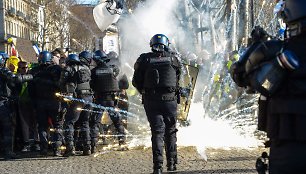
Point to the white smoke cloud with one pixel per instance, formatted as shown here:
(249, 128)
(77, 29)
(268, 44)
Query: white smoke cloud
(136, 30)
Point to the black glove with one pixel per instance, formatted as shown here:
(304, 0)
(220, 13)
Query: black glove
(238, 74)
(184, 92)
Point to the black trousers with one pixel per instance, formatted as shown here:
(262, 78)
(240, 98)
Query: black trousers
(48, 109)
(162, 116)
(6, 127)
(73, 115)
(115, 117)
(287, 157)
(28, 121)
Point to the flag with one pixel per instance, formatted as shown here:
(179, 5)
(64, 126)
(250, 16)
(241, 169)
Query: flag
(12, 41)
(36, 49)
(14, 51)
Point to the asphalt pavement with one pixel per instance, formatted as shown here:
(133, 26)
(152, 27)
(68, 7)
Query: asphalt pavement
(135, 161)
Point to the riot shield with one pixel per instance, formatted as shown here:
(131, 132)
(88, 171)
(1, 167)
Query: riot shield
(187, 83)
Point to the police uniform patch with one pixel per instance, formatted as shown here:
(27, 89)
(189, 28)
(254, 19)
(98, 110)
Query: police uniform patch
(160, 60)
(103, 71)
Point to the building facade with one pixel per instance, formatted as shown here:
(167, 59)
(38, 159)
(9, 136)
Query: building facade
(19, 19)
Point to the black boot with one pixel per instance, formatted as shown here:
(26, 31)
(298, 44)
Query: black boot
(36, 146)
(93, 149)
(70, 151)
(43, 152)
(158, 168)
(57, 152)
(171, 164)
(9, 155)
(44, 149)
(86, 150)
(158, 171)
(171, 167)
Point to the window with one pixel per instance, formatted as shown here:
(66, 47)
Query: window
(9, 28)
(5, 27)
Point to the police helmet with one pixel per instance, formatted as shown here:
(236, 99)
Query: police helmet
(100, 56)
(112, 55)
(294, 10)
(159, 42)
(259, 34)
(72, 58)
(85, 57)
(3, 58)
(44, 57)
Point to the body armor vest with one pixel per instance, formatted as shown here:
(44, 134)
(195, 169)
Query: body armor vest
(160, 73)
(105, 81)
(76, 79)
(46, 81)
(82, 77)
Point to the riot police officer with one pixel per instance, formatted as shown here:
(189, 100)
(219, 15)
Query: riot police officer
(7, 127)
(114, 59)
(237, 69)
(75, 82)
(156, 77)
(45, 85)
(86, 58)
(7, 118)
(105, 86)
(276, 69)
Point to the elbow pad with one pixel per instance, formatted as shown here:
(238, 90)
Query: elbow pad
(264, 52)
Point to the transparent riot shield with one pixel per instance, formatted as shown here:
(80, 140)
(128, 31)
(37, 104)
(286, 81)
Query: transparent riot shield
(187, 84)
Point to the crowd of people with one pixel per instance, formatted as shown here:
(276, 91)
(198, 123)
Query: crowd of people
(35, 113)
(61, 92)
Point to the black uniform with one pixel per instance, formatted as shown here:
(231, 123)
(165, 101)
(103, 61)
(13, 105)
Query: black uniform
(156, 77)
(282, 114)
(8, 83)
(43, 89)
(74, 81)
(286, 117)
(7, 122)
(105, 86)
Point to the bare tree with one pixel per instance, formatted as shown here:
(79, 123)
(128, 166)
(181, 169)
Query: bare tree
(55, 30)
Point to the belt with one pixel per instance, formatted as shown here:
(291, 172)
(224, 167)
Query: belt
(105, 96)
(160, 90)
(83, 92)
(162, 97)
